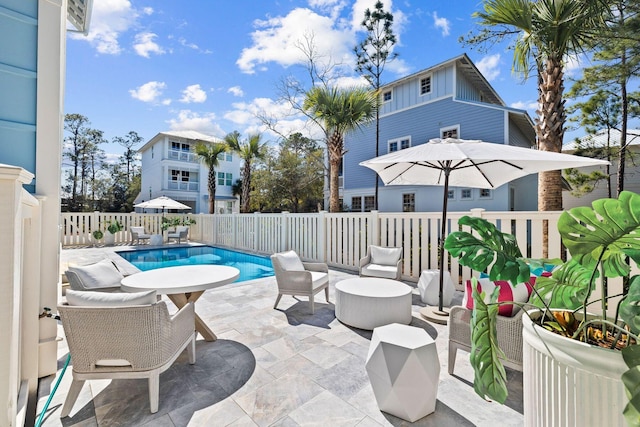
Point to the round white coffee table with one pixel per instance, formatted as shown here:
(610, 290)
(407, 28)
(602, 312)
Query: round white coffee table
(369, 302)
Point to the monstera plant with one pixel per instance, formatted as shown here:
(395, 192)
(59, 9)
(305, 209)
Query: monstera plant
(604, 243)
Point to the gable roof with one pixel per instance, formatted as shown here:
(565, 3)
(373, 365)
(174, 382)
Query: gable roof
(599, 139)
(190, 135)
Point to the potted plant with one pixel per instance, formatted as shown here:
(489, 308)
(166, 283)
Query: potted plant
(97, 236)
(571, 339)
(112, 228)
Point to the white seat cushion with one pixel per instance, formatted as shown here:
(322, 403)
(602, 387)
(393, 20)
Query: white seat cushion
(290, 261)
(106, 299)
(99, 275)
(385, 256)
(318, 278)
(377, 270)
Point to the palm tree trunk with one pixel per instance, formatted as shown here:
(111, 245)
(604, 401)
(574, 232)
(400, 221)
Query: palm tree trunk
(246, 186)
(211, 183)
(335, 157)
(550, 132)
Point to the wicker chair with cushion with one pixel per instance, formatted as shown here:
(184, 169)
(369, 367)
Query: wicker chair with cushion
(101, 276)
(123, 336)
(137, 234)
(382, 262)
(295, 277)
(180, 233)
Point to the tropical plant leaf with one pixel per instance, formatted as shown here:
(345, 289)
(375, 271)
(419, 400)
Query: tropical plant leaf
(567, 288)
(630, 306)
(610, 230)
(492, 251)
(631, 381)
(490, 378)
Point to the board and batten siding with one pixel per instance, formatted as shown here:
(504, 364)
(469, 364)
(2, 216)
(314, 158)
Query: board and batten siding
(466, 90)
(18, 82)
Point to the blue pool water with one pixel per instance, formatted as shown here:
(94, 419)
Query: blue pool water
(250, 266)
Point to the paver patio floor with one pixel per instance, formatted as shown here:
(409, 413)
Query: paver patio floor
(269, 367)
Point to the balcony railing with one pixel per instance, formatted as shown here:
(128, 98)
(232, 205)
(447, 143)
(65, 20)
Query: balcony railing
(183, 156)
(184, 186)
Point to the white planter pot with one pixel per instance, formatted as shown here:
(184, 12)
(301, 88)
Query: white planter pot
(109, 238)
(570, 383)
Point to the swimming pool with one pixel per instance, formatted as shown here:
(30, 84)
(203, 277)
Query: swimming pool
(250, 266)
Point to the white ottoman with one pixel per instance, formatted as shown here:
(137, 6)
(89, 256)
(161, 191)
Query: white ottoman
(404, 371)
(429, 287)
(369, 302)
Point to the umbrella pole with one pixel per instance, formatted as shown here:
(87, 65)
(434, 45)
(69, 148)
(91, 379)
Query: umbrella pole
(443, 232)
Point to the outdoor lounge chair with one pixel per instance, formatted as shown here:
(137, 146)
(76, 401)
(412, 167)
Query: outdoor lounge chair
(138, 340)
(295, 277)
(101, 276)
(137, 234)
(180, 233)
(382, 262)
(509, 331)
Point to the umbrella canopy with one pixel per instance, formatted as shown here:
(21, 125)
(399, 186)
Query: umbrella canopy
(466, 163)
(162, 202)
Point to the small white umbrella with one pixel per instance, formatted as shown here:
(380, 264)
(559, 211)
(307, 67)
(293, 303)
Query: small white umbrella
(162, 202)
(466, 163)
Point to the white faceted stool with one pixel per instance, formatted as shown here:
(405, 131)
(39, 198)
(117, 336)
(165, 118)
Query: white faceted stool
(429, 287)
(404, 371)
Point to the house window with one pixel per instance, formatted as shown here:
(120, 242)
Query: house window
(409, 202)
(184, 176)
(450, 132)
(225, 178)
(425, 85)
(220, 178)
(399, 144)
(485, 193)
(386, 96)
(451, 194)
(356, 204)
(229, 157)
(175, 174)
(369, 203)
(465, 194)
(177, 146)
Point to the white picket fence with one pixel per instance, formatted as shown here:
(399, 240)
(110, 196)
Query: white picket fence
(339, 239)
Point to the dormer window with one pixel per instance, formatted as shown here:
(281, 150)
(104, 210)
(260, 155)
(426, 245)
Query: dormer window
(386, 96)
(425, 85)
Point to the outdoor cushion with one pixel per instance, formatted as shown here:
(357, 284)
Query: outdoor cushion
(508, 292)
(318, 278)
(377, 270)
(290, 261)
(99, 275)
(106, 299)
(385, 256)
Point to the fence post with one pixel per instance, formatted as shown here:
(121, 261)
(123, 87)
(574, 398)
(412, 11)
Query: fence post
(284, 235)
(256, 224)
(322, 232)
(375, 228)
(235, 230)
(477, 212)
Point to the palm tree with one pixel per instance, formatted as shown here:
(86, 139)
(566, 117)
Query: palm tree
(548, 31)
(248, 150)
(208, 153)
(339, 111)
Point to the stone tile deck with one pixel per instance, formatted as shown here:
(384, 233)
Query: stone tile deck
(270, 367)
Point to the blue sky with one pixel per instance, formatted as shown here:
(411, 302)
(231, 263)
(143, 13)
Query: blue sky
(211, 66)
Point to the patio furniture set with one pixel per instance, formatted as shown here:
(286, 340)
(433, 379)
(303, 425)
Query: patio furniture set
(138, 233)
(117, 327)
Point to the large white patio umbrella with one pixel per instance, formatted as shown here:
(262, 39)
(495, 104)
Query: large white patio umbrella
(466, 163)
(162, 202)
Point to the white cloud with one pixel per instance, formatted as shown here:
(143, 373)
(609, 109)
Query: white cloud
(109, 18)
(201, 122)
(145, 44)
(147, 10)
(236, 91)
(277, 40)
(442, 23)
(489, 66)
(150, 92)
(525, 105)
(193, 93)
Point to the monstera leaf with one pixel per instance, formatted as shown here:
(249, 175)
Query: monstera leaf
(607, 233)
(567, 288)
(630, 306)
(490, 378)
(491, 249)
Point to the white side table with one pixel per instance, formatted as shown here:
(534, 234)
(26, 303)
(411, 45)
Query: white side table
(156, 239)
(429, 287)
(404, 371)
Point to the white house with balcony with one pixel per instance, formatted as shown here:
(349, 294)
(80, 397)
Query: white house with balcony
(170, 167)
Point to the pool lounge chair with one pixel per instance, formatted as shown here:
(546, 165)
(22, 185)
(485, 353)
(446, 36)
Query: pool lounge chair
(137, 234)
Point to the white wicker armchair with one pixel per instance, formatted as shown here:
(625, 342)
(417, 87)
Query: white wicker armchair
(137, 234)
(381, 261)
(295, 277)
(181, 233)
(125, 342)
(509, 336)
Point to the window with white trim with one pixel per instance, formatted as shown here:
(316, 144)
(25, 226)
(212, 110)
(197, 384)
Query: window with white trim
(369, 203)
(466, 194)
(409, 202)
(425, 85)
(485, 193)
(450, 132)
(356, 204)
(399, 144)
(225, 178)
(386, 96)
(451, 194)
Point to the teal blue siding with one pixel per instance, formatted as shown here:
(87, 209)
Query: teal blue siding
(517, 137)
(18, 82)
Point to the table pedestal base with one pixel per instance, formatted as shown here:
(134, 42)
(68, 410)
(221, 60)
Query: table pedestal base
(180, 300)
